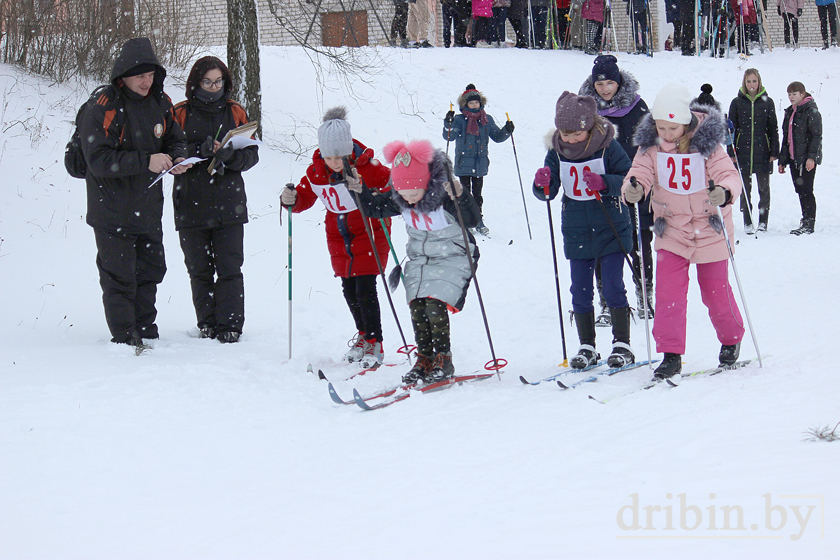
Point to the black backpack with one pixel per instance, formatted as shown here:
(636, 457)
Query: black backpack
(74, 158)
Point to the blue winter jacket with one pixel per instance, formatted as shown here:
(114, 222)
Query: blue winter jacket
(586, 232)
(471, 153)
(823, 2)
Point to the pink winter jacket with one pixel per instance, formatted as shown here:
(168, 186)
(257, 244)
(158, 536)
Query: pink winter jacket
(593, 10)
(689, 233)
(482, 8)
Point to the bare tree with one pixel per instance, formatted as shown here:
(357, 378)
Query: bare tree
(243, 49)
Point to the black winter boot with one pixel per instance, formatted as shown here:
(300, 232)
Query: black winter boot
(671, 365)
(621, 354)
(442, 368)
(603, 319)
(422, 365)
(729, 354)
(586, 355)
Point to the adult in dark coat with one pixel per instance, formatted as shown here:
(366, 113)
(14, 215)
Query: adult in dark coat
(616, 94)
(802, 150)
(755, 144)
(131, 136)
(210, 210)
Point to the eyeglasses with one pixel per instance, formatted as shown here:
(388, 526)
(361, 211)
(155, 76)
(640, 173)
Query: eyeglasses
(207, 84)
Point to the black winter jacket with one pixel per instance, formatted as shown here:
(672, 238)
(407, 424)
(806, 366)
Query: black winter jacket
(120, 131)
(807, 134)
(756, 132)
(202, 200)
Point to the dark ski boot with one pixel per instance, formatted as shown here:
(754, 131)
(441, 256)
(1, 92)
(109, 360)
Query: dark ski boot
(671, 365)
(442, 368)
(422, 365)
(586, 355)
(622, 354)
(729, 354)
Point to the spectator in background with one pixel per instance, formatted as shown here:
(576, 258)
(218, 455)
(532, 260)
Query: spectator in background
(516, 15)
(790, 11)
(418, 23)
(482, 13)
(497, 24)
(538, 21)
(593, 14)
(398, 24)
(563, 21)
(637, 11)
(827, 10)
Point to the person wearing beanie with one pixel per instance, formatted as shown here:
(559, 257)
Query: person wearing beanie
(211, 210)
(801, 149)
(680, 155)
(755, 145)
(437, 273)
(586, 162)
(132, 137)
(351, 253)
(706, 97)
(471, 130)
(616, 94)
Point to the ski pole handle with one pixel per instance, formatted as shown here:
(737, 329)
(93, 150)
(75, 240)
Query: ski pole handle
(507, 115)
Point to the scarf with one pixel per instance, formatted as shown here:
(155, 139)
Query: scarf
(619, 111)
(790, 126)
(474, 118)
(599, 138)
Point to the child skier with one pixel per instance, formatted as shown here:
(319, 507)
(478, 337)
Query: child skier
(680, 151)
(585, 159)
(437, 273)
(349, 246)
(471, 131)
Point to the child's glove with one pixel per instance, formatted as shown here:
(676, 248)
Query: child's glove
(288, 197)
(450, 116)
(543, 177)
(717, 195)
(509, 126)
(594, 181)
(799, 13)
(453, 192)
(633, 193)
(354, 183)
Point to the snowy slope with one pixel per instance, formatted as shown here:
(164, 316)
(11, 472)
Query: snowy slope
(199, 450)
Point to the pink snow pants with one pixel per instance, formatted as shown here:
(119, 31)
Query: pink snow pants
(669, 321)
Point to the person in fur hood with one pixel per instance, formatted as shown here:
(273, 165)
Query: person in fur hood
(350, 248)
(616, 92)
(472, 131)
(437, 273)
(680, 152)
(588, 164)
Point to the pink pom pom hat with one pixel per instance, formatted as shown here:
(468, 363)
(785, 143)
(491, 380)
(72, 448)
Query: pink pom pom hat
(410, 163)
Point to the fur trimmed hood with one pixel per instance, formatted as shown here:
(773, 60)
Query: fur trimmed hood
(707, 135)
(435, 195)
(462, 100)
(624, 97)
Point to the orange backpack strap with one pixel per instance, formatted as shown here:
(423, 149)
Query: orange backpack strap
(180, 113)
(239, 115)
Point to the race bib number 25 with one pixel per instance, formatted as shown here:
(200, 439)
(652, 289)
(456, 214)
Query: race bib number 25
(681, 173)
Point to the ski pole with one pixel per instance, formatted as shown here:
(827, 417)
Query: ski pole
(289, 186)
(497, 363)
(642, 269)
(737, 277)
(519, 174)
(565, 363)
(396, 274)
(406, 349)
(615, 232)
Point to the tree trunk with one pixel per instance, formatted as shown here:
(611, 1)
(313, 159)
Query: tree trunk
(243, 49)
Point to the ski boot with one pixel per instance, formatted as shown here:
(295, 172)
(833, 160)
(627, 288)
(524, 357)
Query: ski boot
(422, 365)
(357, 346)
(373, 355)
(622, 354)
(207, 332)
(481, 228)
(586, 355)
(671, 366)
(228, 337)
(442, 368)
(729, 354)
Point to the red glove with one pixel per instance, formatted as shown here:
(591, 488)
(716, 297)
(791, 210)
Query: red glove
(594, 181)
(543, 177)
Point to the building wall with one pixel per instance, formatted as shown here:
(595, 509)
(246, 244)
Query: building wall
(212, 14)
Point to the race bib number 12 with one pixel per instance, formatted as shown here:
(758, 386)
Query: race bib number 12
(336, 198)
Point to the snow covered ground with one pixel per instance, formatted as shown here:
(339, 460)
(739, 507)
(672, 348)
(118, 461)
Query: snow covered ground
(203, 450)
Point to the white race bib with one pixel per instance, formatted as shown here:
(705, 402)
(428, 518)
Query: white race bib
(571, 177)
(336, 198)
(681, 173)
(432, 221)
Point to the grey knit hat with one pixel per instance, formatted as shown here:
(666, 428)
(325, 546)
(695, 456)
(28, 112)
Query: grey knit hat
(574, 112)
(334, 137)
